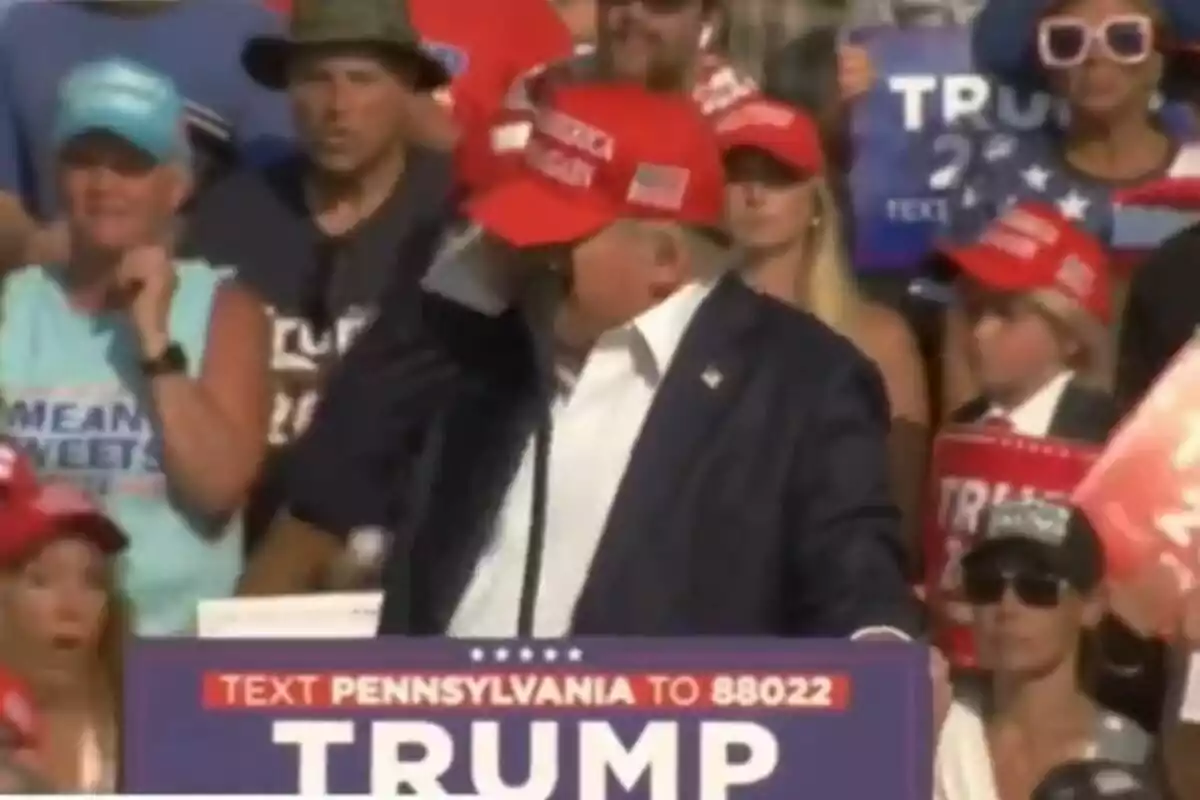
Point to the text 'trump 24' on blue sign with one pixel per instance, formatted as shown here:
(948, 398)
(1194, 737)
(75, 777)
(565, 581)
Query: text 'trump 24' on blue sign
(915, 133)
(583, 720)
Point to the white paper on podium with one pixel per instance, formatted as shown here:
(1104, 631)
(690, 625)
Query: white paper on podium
(337, 615)
(1189, 703)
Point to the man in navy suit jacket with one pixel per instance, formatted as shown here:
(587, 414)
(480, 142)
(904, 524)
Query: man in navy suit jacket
(716, 467)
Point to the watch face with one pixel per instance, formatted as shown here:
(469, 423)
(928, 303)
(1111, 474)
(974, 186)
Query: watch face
(172, 360)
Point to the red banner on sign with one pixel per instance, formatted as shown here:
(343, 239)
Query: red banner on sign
(971, 469)
(1143, 494)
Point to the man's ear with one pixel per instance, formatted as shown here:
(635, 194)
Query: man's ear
(671, 258)
(183, 183)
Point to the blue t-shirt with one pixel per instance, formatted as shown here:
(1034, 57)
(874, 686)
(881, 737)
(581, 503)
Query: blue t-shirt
(197, 43)
(1008, 169)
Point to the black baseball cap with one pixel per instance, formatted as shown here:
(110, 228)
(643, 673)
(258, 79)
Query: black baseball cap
(1097, 780)
(1055, 536)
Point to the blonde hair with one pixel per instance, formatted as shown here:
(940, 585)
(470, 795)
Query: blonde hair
(826, 283)
(109, 679)
(1094, 362)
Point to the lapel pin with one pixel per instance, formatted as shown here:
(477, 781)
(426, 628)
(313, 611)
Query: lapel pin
(712, 377)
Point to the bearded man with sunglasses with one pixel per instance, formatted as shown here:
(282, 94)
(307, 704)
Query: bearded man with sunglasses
(1033, 578)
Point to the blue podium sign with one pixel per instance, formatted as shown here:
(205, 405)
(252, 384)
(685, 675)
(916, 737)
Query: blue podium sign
(588, 719)
(916, 132)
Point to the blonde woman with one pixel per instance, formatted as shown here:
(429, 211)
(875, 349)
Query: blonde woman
(1036, 296)
(783, 217)
(63, 623)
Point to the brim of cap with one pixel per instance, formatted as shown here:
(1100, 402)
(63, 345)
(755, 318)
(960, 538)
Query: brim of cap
(160, 148)
(988, 267)
(766, 141)
(529, 212)
(266, 59)
(1052, 559)
(92, 527)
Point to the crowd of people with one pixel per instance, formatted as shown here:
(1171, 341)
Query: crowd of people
(543, 318)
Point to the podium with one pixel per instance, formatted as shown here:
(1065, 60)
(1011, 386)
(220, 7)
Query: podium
(586, 719)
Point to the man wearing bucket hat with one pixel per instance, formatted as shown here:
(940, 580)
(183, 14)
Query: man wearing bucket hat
(320, 235)
(657, 41)
(695, 378)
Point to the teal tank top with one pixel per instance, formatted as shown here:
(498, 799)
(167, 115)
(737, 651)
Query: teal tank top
(74, 397)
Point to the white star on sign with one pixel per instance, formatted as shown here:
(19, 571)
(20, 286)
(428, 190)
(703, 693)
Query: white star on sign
(476, 654)
(1074, 206)
(1036, 177)
(574, 654)
(526, 654)
(502, 654)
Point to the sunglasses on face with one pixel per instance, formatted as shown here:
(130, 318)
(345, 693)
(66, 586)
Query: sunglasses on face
(1065, 42)
(986, 586)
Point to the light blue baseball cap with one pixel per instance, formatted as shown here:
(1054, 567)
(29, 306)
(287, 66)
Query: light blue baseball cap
(126, 99)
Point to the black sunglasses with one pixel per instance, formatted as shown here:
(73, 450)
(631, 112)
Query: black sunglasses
(986, 586)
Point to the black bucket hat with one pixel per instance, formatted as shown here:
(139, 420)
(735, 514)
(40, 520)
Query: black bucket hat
(385, 25)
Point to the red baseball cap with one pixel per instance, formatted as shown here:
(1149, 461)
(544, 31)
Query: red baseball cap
(783, 132)
(18, 720)
(1033, 247)
(601, 152)
(33, 514)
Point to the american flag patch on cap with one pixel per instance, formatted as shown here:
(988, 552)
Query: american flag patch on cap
(659, 186)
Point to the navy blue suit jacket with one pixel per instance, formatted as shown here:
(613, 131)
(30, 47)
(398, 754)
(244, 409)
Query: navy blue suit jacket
(753, 505)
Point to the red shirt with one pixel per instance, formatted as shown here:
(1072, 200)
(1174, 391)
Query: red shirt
(488, 45)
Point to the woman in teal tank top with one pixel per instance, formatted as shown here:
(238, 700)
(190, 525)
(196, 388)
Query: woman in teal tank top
(138, 376)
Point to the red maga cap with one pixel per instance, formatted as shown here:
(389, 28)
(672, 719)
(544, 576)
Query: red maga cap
(783, 132)
(1033, 247)
(33, 514)
(602, 152)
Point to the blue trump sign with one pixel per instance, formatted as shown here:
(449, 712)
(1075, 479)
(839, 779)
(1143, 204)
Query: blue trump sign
(916, 132)
(577, 720)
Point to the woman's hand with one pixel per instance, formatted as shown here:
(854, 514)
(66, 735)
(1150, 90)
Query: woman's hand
(146, 283)
(856, 74)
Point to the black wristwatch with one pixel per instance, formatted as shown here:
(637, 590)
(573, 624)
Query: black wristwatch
(171, 361)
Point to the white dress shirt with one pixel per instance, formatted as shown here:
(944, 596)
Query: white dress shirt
(595, 425)
(1033, 417)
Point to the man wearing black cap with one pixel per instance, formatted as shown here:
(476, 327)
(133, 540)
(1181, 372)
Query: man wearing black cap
(1033, 581)
(319, 236)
